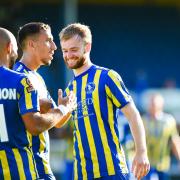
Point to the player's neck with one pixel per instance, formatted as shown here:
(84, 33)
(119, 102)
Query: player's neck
(30, 61)
(4, 61)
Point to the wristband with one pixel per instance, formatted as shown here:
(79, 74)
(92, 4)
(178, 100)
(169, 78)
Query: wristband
(64, 110)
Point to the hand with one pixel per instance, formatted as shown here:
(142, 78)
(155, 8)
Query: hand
(45, 105)
(70, 101)
(140, 165)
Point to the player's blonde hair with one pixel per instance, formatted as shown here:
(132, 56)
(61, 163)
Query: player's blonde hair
(76, 29)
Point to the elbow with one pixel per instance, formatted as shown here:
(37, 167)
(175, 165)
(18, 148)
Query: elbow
(35, 131)
(34, 123)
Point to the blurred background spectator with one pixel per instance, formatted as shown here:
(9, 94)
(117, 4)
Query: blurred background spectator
(162, 136)
(139, 39)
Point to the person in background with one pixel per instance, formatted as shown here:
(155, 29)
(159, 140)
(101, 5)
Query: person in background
(100, 92)
(162, 136)
(36, 42)
(19, 114)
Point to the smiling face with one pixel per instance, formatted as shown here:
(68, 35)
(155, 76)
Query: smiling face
(74, 51)
(44, 47)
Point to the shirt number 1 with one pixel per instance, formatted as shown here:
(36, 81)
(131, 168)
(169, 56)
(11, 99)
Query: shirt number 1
(3, 128)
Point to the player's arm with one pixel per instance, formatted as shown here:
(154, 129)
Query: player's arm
(45, 105)
(36, 122)
(140, 166)
(69, 100)
(175, 143)
(175, 138)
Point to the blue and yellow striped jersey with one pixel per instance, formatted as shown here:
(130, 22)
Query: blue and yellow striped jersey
(97, 149)
(17, 97)
(40, 144)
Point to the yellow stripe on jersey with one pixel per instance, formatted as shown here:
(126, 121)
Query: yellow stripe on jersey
(74, 152)
(81, 150)
(109, 161)
(41, 149)
(28, 99)
(115, 138)
(115, 101)
(113, 76)
(19, 163)
(32, 164)
(29, 138)
(89, 132)
(67, 91)
(25, 71)
(5, 165)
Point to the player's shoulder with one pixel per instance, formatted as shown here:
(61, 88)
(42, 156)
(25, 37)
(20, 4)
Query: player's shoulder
(108, 72)
(19, 67)
(13, 74)
(104, 70)
(168, 118)
(114, 74)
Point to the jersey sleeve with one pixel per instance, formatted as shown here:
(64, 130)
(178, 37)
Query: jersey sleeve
(116, 90)
(27, 97)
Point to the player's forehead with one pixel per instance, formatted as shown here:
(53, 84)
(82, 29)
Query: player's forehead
(45, 33)
(74, 41)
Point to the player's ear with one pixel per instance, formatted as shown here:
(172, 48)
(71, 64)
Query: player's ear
(9, 47)
(87, 47)
(31, 43)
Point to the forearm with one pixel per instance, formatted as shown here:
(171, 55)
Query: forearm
(140, 164)
(136, 126)
(37, 123)
(138, 132)
(63, 120)
(48, 120)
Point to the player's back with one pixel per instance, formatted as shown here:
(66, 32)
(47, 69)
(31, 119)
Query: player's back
(15, 155)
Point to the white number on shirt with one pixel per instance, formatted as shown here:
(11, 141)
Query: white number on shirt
(3, 129)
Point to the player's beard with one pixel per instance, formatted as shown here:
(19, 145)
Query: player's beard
(79, 63)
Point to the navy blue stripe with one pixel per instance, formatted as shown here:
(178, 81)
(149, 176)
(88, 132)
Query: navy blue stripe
(12, 164)
(104, 109)
(38, 159)
(114, 89)
(79, 172)
(26, 165)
